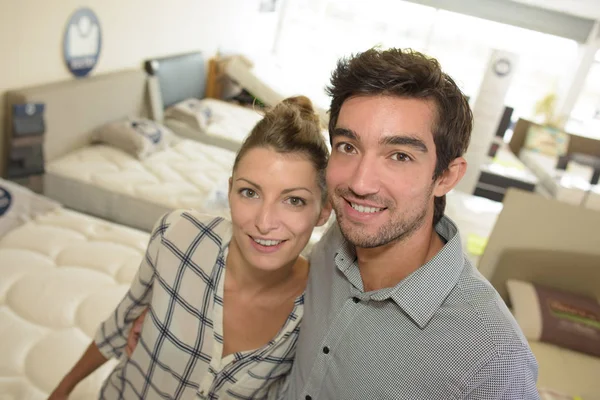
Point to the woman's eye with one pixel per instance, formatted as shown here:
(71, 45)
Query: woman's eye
(296, 201)
(400, 157)
(248, 193)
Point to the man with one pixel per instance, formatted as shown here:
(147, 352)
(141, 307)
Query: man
(393, 309)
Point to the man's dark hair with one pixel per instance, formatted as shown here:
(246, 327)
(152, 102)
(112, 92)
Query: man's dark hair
(408, 74)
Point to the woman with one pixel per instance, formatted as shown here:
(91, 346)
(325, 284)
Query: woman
(225, 298)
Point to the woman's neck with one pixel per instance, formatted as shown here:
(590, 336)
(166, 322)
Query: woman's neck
(254, 280)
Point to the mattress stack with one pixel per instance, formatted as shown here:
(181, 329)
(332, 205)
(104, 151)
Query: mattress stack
(61, 275)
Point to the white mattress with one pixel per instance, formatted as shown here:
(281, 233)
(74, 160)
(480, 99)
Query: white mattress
(569, 186)
(228, 125)
(61, 274)
(269, 83)
(109, 183)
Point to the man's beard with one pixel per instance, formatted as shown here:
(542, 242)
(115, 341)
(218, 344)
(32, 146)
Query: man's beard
(399, 226)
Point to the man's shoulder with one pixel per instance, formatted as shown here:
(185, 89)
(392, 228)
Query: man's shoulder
(486, 315)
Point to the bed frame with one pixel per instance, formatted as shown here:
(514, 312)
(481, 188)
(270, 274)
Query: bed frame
(74, 108)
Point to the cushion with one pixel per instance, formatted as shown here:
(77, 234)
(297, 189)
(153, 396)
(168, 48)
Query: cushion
(139, 137)
(192, 112)
(19, 205)
(568, 320)
(545, 140)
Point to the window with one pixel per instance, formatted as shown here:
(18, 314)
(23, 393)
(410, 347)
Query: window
(585, 117)
(316, 33)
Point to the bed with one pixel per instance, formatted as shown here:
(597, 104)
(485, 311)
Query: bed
(548, 243)
(180, 98)
(61, 274)
(177, 89)
(107, 182)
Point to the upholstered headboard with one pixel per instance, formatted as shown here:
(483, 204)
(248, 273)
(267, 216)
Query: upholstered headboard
(74, 108)
(179, 77)
(543, 241)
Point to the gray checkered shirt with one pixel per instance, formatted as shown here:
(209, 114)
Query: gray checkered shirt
(441, 333)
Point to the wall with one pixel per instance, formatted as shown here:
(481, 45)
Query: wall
(31, 34)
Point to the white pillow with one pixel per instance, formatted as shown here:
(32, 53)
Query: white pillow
(139, 137)
(191, 112)
(19, 205)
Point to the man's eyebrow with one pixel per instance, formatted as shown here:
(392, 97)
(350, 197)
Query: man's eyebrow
(347, 133)
(401, 140)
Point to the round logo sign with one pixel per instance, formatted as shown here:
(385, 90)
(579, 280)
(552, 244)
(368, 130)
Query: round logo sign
(5, 200)
(502, 67)
(82, 42)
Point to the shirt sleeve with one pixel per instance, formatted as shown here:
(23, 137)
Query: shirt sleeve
(511, 375)
(111, 336)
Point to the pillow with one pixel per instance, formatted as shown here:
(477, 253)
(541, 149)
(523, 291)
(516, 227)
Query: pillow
(139, 137)
(191, 112)
(554, 316)
(545, 140)
(19, 205)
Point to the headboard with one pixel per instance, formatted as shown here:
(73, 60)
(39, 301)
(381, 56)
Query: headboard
(179, 77)
(74, 108)
(577, 144)
(544, 241)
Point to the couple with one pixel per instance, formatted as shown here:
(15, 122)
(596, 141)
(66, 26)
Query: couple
(386, 307)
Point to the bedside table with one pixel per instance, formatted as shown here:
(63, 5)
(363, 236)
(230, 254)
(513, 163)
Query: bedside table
(25, 146)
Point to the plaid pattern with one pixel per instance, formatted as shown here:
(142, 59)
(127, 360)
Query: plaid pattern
(179, 353)
(441, 333)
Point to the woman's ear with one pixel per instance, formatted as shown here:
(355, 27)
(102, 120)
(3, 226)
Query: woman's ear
(325, 213)
(230, 185)
(450, 177)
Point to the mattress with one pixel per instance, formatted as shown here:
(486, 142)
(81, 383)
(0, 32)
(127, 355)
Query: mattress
(61, 274)
(106, 182)
(228, 124)
(268, 82)
(569, 186)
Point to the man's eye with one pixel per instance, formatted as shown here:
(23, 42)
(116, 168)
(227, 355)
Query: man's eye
(345, 147)
(401, 157)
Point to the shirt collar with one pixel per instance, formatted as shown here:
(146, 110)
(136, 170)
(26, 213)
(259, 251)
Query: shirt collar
(421, 293)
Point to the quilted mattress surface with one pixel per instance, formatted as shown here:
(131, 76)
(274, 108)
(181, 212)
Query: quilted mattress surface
(60, 275)
(187, 175)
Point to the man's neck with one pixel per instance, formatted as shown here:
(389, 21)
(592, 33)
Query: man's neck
(386, 266)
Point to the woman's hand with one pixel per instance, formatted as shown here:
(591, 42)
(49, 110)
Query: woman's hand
(134, 334)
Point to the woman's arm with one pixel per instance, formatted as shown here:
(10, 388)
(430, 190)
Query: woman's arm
(111, 337)
(91, 360)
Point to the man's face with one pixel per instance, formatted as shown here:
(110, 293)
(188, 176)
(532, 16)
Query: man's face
(380, 171)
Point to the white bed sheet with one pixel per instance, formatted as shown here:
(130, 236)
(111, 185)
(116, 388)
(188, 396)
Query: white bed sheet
(228, 125)
(61, 274)
(109, 183)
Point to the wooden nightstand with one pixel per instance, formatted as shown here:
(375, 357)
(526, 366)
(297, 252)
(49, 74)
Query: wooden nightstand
(25, 146)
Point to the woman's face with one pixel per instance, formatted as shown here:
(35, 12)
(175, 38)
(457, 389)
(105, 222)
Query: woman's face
(275, 204)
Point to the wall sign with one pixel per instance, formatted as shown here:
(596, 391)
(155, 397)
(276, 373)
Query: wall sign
(82, 42)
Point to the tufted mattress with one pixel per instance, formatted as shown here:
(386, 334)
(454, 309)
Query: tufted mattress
(228, 125)
(60, 275)
(106, 182)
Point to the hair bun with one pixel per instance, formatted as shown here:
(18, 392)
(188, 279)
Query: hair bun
(304, 105)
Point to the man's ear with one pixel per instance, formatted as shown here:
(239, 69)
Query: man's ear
(325, 213)
(450, 178)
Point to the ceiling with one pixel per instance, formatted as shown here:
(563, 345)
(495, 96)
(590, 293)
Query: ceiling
(581, 8)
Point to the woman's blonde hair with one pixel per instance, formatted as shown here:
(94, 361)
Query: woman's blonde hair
(291, 127)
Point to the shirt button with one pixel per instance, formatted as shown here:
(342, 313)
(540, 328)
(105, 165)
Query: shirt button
(326, 350)
(356, 299)
(307, 397)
